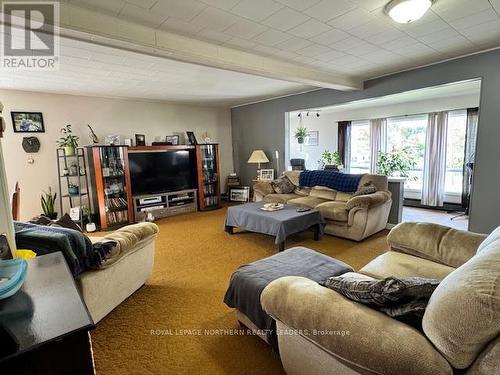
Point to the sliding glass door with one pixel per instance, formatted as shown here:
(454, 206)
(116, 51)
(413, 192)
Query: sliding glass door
(360, 147)
(455, 143)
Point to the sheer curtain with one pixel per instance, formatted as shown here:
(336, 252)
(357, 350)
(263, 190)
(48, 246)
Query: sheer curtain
(344, 142)
(378, 137)
(435, 159)
(469, 155)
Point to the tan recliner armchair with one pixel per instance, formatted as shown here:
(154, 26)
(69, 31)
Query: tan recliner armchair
(322, 332)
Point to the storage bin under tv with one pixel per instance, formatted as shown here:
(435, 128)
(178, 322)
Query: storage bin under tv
(165, 204)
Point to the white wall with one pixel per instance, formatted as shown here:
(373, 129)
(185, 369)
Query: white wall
(106, 116)
(327, 127)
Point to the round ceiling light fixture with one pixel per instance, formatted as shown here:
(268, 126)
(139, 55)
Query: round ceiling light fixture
(406, 11)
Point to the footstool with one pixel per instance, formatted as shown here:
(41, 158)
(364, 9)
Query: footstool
(249, 280)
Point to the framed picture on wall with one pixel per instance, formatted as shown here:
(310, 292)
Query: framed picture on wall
(312, 138)
(27, 122)
(266, 174)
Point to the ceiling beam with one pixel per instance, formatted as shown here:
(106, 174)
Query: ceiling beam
(88, 25)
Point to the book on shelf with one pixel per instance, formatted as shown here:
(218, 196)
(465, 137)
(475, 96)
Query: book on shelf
(117, 217)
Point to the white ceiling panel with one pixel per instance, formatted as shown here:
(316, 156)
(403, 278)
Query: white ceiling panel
(246, 29)
(285, 19)
(325, 10)
(256, 10)
(185, 10)
(310, 29)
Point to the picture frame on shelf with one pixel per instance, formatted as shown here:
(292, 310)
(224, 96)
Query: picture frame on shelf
(27, 122)
(266, 174)
(312, 138)
(191, 138)
(239, 194)
(172, 140)
(140, 140)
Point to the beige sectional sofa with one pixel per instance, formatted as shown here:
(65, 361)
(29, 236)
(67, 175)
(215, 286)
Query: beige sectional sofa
(461, 324)
(125, 271)
(346, 216)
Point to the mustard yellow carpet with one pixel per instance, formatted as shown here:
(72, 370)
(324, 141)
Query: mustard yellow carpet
(193, 264)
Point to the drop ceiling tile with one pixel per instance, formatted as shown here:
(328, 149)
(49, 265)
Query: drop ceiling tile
(222, 4)
(328, 9)
(346, 44)
(110, 6)
(240, 43)
(180, 26)
(256, 10)
(385, 37)
(415, 50)
(214, 36)
(457, 43)
(214, 19)
(271, 37)
(329, 56)
(313, 50)
(372, 4)
(304, 59)
(293, 44)
(426, 28)
(285, 19)
(373, 27)
(142, 16)
(447, 33)
(147, 4)
(299, 4)
(309, 29)
(363, 49)
(245, 29)
(495, 4)
(401, 42)
(347, 60)
(475, 19)
(351, 19)
(452, 10)
(330, 37)
(184, 10)
(487, 29)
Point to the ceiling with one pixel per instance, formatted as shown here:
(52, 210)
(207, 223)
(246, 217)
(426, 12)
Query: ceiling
(344, 36)
(95, 70)
(469, 88)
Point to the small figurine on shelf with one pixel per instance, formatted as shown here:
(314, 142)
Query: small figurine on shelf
(73, 169)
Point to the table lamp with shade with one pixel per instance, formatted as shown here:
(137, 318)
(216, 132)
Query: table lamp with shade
(257, 157)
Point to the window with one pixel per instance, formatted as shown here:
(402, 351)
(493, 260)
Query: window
(409, 131)
(360, 147)
(455, 143)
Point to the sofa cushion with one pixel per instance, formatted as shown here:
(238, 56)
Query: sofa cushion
(397, 264)
(293, 176)
(367, 188)
(333, 211)
(302, 191)
(283, 185)
(368, 200)
(280, 198)
(343, 197)
(463, 314)
(309, 202)
(323, 192)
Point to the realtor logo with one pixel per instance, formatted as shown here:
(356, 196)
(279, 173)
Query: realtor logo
(30, 35)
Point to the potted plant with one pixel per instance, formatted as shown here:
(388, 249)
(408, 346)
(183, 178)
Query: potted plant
(300, 134)
(90, 226)
(330, 160)
(396, 163)
(69, 141)
(48, 201)
(73, 189)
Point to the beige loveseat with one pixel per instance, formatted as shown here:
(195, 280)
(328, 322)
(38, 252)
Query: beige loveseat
(346, 216)
(126, 270)
(461, 324)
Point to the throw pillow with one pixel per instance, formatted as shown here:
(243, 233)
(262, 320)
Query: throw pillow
(323, 192)
(366, 188)
(66, 222)
(404, 299)
(283, 185)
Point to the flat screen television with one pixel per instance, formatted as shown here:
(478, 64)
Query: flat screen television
(153, 172)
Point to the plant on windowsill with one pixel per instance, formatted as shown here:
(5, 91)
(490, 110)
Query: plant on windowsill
(73, 189)
(48, 201)
(330, 160)
(69, 141)
(396, 163)
(300, 134)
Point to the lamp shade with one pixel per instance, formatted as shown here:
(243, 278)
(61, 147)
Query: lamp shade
(258, 156)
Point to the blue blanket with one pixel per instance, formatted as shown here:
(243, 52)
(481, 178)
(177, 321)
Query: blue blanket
(347, 183)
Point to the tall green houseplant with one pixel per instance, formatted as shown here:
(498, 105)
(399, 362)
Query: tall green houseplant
(48, 202)
(69, 141)
(396, 163)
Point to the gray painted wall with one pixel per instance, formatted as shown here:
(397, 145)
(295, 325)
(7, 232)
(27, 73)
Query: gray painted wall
(262, 125)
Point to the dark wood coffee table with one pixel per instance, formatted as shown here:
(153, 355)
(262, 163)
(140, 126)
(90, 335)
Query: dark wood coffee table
(280, 224)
